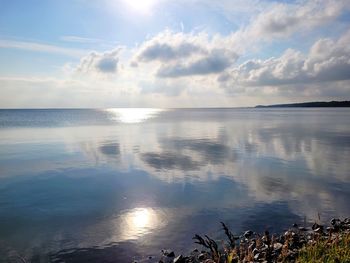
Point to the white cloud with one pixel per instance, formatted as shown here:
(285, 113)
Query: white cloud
(285, 19)
(327, 61)
(100, 63)
(180, 54)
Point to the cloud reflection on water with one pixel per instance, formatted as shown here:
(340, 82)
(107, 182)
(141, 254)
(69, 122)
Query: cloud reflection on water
(169, 174)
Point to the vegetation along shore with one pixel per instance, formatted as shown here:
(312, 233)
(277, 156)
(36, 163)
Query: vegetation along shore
(300, 244)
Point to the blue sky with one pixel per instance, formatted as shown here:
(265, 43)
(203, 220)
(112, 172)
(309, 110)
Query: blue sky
(162, 53)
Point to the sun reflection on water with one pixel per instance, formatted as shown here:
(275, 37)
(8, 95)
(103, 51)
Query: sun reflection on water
(138, 222)
(133, 115)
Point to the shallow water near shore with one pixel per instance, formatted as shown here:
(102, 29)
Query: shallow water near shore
(120, 184)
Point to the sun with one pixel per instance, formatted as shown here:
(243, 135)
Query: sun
(140, 6)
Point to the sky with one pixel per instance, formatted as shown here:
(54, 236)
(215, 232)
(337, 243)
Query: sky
(170, 54)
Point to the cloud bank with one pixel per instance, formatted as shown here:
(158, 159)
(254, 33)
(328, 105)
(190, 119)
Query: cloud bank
(326, 61)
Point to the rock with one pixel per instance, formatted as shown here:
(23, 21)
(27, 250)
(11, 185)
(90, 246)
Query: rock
(248, 233)
(292, 255)
(277, 246)
(334, 221)
(318, 230)
(179, 259)
(264, 248)
(302, 228)
(256, 257)
(202, 256)
(295, 225)
(255, 251)
(171, 254)
(315, 225)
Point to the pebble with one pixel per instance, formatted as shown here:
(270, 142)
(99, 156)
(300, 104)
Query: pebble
(248, 233)
(277, 246)
(201, 256)
(171, 254)
(179, 259)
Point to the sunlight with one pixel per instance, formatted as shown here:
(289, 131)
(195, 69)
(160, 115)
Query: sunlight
(133, 115)
(141, 218)
(144, 6)
(138, 222)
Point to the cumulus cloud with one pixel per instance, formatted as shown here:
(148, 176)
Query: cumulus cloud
(168, 45)
(105, 63)
(215, 62)
(327, 60)
(180, 54)
(276, 21)
(189, 54)
(285, 19)
(167, 51)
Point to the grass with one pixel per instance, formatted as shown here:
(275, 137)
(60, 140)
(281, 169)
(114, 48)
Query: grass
(299, 247)
(330, 250)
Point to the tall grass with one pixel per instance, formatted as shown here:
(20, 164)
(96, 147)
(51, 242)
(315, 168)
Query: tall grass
(330, 250)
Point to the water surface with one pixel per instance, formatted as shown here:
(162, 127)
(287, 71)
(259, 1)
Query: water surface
(120, 184)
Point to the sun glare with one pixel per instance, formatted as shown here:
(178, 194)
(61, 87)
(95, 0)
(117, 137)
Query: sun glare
(143, 6)
(141, 218)
(138, 222)
(133, 115)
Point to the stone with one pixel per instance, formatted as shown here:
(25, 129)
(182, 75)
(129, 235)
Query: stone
(256, 257)
(255, 251)
(179, 259)
(248, 233)
(277, 246)
(201, 256)
(334, 221)
(171, 254)
(329, 228)
(318, 230)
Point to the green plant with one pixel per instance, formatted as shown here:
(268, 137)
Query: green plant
(332, 250)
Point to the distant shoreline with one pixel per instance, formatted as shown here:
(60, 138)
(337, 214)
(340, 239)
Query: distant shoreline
(316, 104)
(313, 104)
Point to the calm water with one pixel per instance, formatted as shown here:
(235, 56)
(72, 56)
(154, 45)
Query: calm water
(114, 185)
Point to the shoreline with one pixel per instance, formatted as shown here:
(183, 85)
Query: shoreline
(314, 243)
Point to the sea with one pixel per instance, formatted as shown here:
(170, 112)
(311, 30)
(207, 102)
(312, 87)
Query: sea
(118, 185)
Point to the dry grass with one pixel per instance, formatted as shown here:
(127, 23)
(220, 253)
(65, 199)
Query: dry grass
(332, 250)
